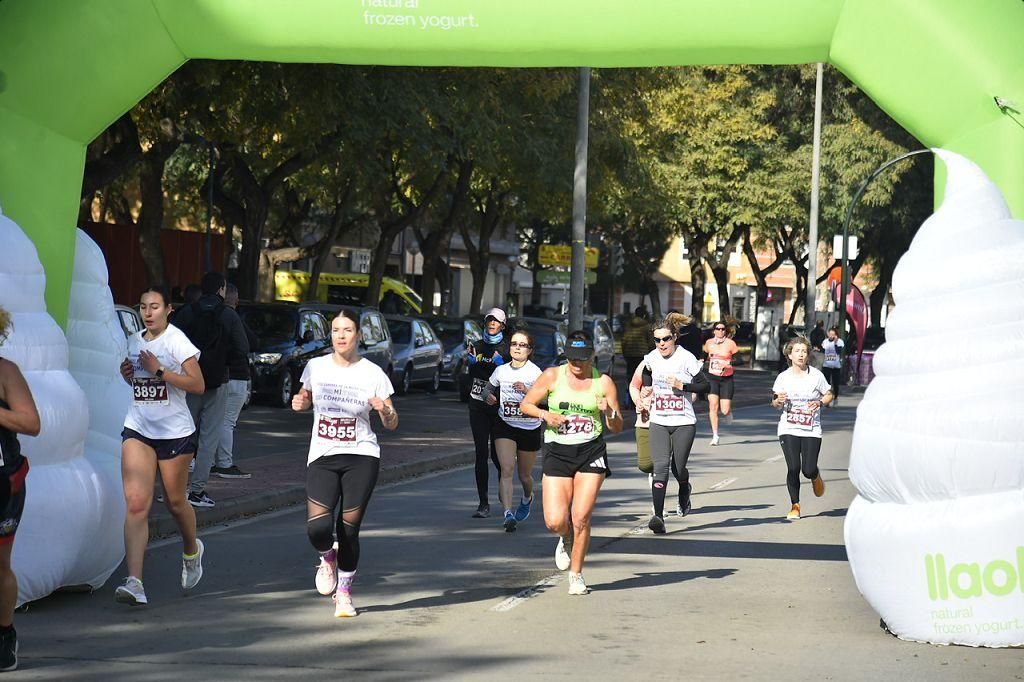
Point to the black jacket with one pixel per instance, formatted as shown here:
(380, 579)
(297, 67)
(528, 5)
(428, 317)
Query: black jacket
(238, 344)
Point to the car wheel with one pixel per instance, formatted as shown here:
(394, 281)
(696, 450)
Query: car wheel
(406, 383)
(435, 383)
(248, 395)
(284, 396)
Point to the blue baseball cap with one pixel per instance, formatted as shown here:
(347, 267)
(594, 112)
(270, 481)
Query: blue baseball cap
(579, 349)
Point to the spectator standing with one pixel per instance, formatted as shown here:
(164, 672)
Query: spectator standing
(217, 332)
(817, 335)
(636, 343)
(237, 389)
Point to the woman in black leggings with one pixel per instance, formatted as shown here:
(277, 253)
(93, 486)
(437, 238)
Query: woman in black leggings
(344, 458)
(484, 357)
(799, 392)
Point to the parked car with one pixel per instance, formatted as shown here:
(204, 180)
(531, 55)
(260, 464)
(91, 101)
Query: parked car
(130, 320)
(456, 333)
(376, 342)
(418, 353)
(288, 336)
(604, 342)
(548, 339)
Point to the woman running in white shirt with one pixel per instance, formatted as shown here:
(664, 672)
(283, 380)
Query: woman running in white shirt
(799, 392)
(161, 367)
(344, 458)
(517, 438)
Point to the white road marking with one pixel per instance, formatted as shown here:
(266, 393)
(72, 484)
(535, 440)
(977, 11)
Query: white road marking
(776, 458)
(529, 592)
(722, 484)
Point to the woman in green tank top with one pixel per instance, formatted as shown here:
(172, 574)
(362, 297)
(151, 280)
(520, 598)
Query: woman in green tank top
(575, 457)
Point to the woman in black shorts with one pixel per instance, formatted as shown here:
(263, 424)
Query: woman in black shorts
(344, 458)
(517, 437)
(18, 414)
(575, 457)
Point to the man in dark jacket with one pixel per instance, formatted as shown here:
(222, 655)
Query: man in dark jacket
(237, 390)
(636, 343)
(217, 332)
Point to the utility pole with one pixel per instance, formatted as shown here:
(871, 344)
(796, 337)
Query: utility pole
(812, 237)
(579, 205)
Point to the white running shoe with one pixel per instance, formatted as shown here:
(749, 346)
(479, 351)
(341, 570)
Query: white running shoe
(343, 606)
(131, 592)
(192, 569)
(577, 585)
(727, 418)
(327, 573)
(562, 555)
(714, 439)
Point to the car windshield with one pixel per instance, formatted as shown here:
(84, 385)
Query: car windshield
(450, 331)
(401, 332)
(270, 326)
(544, 344)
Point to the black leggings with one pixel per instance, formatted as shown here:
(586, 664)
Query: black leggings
(344, 481)
(482, 422)
(832, 374)
(801, 455)
(669, 447)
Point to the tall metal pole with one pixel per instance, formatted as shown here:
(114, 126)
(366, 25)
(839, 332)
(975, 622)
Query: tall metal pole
(208, 260)
(579, 205)
(812, 237)
(845, 285)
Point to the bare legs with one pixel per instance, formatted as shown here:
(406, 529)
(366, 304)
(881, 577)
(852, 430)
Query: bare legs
(510, 459)
(568, 507)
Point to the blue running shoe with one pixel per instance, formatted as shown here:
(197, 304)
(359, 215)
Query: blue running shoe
(523, 510)
(510, 522)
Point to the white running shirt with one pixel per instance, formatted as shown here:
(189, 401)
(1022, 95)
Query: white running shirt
(832, 350)
(504, 379)
(670, 407)
(801, 388)
(341, 406)
(158, 409)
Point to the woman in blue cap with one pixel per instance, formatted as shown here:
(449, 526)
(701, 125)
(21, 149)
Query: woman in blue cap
(484, 357)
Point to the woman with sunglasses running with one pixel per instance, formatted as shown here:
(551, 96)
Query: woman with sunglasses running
(575, 456)
(720, 349)
(675, 374)
(517, 437)
(344, 458)
(159, 434)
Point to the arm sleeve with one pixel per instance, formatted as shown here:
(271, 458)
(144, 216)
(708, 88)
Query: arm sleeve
(307, 378)
(823, 385)
(239, 341)
(384, 388)
(184, 350)
(698, 384)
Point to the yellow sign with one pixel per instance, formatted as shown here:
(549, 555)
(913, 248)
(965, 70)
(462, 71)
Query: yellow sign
(554, 254)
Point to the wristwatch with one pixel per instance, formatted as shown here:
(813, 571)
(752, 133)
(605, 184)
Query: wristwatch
(160, 372)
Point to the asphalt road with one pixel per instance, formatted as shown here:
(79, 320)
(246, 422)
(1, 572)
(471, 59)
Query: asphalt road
(731, 592)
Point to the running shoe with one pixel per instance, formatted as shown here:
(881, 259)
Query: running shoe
(192, 567)
(818, 485)
(656, 524)
(8, 650)
(327, 573)
(727, 418)
(577, 585)
(562, 555)
(680, 510)
(714, 439)
(482, 512)
(523, 510)
(343, 606)
(510, 521)
(131, 592)
(200, 500)
(794, 513)
(229, 472)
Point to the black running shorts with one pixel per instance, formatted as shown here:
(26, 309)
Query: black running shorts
(566, 461)
(168, 448)
(526, 440)
(10, 514)
(723, 387)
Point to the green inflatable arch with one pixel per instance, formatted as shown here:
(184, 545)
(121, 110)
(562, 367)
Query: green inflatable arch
(70, 67)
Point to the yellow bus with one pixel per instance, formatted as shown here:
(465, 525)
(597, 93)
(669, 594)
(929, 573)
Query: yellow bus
(347, 288)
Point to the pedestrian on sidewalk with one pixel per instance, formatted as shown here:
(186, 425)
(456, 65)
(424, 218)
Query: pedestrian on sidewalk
(676, 374)
(484, 357)
(720, 350)
(636, 343)
(159, 433)
(217, 332)
(344, 457)
(832, 367)
(517, 437)
(236, 391)
(575, 455)
(799, 392)
(18, 415)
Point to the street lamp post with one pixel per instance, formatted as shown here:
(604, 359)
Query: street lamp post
(579, 204)
(845, 282)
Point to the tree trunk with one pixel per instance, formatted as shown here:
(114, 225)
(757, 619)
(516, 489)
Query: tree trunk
(698, 278)
(490, 210)
(650, 289)
(339, 224)
(151, 214)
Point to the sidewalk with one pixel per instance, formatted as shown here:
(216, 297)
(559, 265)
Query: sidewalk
(279, 476)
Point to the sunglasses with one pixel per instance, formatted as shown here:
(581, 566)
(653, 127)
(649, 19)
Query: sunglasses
(662, 339)
(517, 344)
(719, 329)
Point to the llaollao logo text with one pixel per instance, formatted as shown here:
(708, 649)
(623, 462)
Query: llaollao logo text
(968, 580)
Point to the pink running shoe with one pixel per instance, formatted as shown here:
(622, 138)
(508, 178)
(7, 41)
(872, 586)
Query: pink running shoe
(327, 573)
(343, 606)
